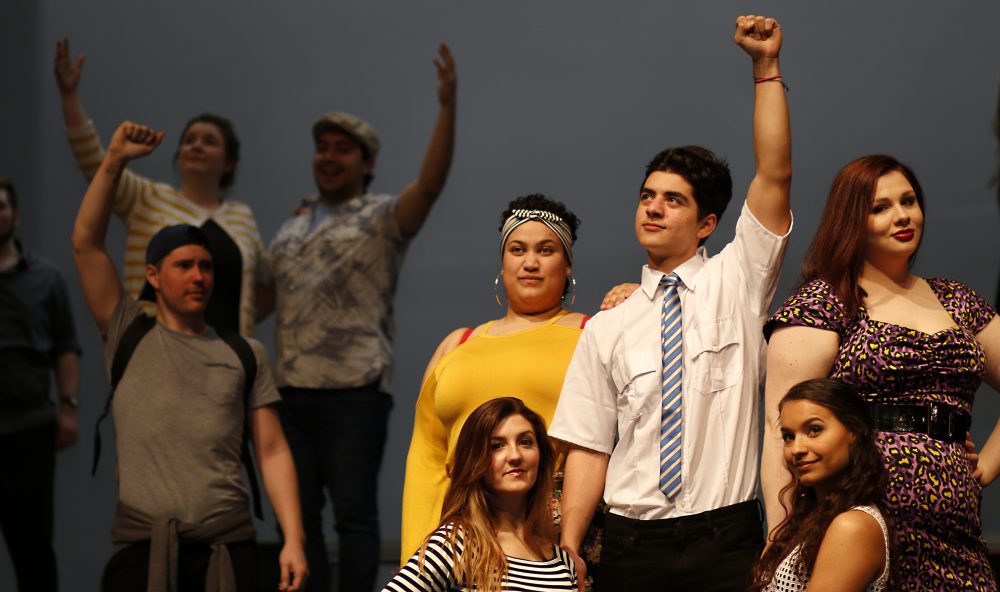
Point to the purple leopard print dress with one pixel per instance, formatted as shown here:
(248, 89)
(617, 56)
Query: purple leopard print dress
(932, 499)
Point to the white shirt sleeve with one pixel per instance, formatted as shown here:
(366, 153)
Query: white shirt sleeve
(586, 414)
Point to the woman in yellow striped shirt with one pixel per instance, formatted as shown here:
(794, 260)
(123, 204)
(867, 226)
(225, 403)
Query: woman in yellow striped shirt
(206, 162)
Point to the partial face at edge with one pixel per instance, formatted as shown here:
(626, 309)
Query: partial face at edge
(9, 219)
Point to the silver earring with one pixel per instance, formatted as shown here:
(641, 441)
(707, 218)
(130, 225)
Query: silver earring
(496, 289)
(572, 292)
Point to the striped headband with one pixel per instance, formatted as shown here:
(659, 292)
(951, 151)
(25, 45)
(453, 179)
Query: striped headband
(554, 222)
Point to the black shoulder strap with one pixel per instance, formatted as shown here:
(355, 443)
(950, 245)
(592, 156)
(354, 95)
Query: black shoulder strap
(134, 333)
(249, 361)
(136, 330)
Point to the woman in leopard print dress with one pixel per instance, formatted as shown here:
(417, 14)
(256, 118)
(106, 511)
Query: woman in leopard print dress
(917, 349)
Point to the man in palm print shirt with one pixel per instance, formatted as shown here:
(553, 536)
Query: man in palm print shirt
(334, 270)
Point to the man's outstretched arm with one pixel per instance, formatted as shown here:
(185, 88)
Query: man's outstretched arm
(768, 196)
(416, 200)
(102, 287)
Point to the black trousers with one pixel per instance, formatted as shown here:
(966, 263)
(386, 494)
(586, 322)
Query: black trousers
(128, 569)
(711, 551)
(337, 437)
(27, 470)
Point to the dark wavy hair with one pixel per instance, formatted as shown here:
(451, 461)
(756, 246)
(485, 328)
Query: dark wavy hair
(837, 251)
(230, 143)
(863, 481)
(707, 174)
(468, 503)
(537, 201)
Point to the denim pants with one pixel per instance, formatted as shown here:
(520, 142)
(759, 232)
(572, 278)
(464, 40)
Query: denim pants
(337, 437)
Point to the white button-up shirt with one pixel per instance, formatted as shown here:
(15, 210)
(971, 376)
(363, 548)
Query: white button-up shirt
(611, 399)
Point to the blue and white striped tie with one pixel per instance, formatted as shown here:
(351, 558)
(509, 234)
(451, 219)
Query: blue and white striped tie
(671, 424)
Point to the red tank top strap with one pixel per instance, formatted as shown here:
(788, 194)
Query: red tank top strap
(583, 323)
(465, 335)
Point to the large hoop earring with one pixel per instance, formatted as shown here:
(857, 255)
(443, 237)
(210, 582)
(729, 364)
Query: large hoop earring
(572, 291)
(496, 289)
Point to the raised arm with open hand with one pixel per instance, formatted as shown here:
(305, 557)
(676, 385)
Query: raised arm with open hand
(417, 199)
(68, 73)
(101, 285)
(447, 82)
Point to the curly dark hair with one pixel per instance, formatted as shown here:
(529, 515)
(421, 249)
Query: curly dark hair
(537, 201)
(707, 174)
(230, 142)
(863, 482)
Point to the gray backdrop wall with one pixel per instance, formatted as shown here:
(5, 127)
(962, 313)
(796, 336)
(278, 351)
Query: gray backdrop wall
(568, 98)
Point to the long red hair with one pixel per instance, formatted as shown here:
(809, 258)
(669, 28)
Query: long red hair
(837, 252)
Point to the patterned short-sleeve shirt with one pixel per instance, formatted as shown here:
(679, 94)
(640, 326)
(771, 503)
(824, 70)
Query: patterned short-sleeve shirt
(335, 282)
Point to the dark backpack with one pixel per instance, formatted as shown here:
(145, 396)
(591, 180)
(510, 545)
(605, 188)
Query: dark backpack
(134, 333)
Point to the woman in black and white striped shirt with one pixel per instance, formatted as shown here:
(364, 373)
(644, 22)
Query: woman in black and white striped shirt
(496, 531)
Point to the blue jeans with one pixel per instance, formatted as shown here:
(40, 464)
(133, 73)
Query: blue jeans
(337, 437)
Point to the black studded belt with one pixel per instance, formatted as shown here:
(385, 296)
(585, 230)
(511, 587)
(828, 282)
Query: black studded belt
(939, 421)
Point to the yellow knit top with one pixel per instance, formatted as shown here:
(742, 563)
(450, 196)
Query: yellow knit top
(529, 365)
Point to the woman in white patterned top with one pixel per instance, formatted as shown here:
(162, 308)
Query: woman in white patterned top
(496, 530)
(834, 536)
(206, 160)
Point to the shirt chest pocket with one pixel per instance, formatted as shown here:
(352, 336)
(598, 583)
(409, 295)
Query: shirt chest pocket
(221, 383)
(639, 383)
(716, 352)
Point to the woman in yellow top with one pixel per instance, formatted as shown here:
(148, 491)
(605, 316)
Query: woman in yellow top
(524, 354)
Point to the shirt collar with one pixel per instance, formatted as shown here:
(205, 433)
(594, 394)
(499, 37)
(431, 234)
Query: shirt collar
(688, 272)
(22, 258)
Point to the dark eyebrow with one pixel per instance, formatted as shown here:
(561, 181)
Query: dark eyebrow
(676, 194)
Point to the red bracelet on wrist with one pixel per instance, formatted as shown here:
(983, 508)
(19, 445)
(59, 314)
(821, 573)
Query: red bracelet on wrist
(775, 78)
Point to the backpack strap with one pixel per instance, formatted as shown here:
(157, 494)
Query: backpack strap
(244, 352)
(134, 333)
